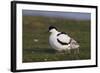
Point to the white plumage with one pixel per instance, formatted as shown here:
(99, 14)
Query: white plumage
(63, 37)
(60, 41)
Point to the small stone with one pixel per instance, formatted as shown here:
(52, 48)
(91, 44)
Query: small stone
(45, 59)
(35, 40)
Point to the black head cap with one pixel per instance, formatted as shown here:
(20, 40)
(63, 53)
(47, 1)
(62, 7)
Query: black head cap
(52, 27)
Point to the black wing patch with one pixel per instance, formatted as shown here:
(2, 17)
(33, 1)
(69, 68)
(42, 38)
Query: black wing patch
(61, 33)
(64, 43)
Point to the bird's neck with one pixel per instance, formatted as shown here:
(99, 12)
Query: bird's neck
(54, 31)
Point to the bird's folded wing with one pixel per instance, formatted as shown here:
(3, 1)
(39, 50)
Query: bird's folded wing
(64, 38)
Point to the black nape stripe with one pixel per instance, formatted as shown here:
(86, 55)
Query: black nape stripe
(61, 33)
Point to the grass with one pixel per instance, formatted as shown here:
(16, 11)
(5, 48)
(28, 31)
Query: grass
(36, 28)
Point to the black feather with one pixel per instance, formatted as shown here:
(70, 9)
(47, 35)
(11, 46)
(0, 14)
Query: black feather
(64, 43)
(52, 27)
(61, 33)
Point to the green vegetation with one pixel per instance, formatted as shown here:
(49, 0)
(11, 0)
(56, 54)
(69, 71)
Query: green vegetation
(35, 38)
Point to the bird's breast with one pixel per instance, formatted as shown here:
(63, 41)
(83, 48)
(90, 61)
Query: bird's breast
(53, 41)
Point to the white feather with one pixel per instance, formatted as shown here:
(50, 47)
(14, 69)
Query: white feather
(64, 38)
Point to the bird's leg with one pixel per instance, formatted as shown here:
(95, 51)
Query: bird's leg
(76, 51)
(68, 51)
